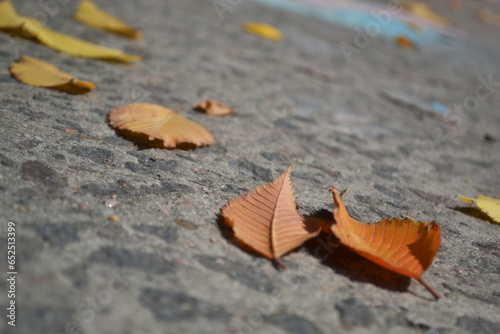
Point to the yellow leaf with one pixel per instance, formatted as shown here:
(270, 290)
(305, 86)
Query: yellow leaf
(156, 126)
(26, 27)
(91, 15)
(9, 19)
(490, 206)
(423, 10)
(263, 30)
(38, 73)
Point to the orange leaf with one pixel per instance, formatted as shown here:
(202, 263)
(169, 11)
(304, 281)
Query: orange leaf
(404, 42)
(402, 246)
(154, 125)
(266, 220)
(211, 107)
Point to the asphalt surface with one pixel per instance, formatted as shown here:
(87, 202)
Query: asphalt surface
(384, 122)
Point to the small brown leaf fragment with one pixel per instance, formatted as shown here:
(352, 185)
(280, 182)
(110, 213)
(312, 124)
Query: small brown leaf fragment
(403, 246)
(153, 125)
(267, 221)
(405, 42)
(213, 108)
(113, 218)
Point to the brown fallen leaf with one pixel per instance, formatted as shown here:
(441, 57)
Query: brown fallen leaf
(214, 108)
(404, 42)
(38, 73)
(403, 246)
(29, 28)
(266, 220)
(91, 15)
(113, 218)
(157, 126)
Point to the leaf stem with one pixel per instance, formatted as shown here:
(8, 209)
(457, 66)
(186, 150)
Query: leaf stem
(428, 287)
(279, 263)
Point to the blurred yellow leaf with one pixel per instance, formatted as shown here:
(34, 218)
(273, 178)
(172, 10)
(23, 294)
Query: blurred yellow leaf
(490, 206)
(91, 15)
(30, 28)
(423, 10)
(263, 30)
(9, 19)
(38, 73)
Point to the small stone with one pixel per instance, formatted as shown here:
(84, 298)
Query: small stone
(20, 208)
(184, 223)
(165, 212)
(354, 313)
(111, 203)
(213, 240)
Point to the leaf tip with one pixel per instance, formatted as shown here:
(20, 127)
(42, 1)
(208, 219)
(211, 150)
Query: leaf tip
(467, 199)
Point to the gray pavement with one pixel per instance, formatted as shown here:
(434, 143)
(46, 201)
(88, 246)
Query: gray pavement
(166, 266)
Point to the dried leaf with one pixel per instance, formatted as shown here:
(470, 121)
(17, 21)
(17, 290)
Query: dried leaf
(405, 42)
(266, 220)
(159, 126)
(38, 73)
(423, 10)
(403, 246)
(263, 30)
(490, 206)
(91, 15)
(30, 28)
(211, 107)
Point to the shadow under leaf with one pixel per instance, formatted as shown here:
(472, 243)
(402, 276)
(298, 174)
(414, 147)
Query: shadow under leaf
(143, 141)
(330, 252)
(342, 260)
(322, 217)
(474, 212)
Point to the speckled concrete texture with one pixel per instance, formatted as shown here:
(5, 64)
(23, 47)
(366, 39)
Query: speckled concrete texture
(166, 265)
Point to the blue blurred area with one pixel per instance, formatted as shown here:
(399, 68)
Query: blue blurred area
(359, 18)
